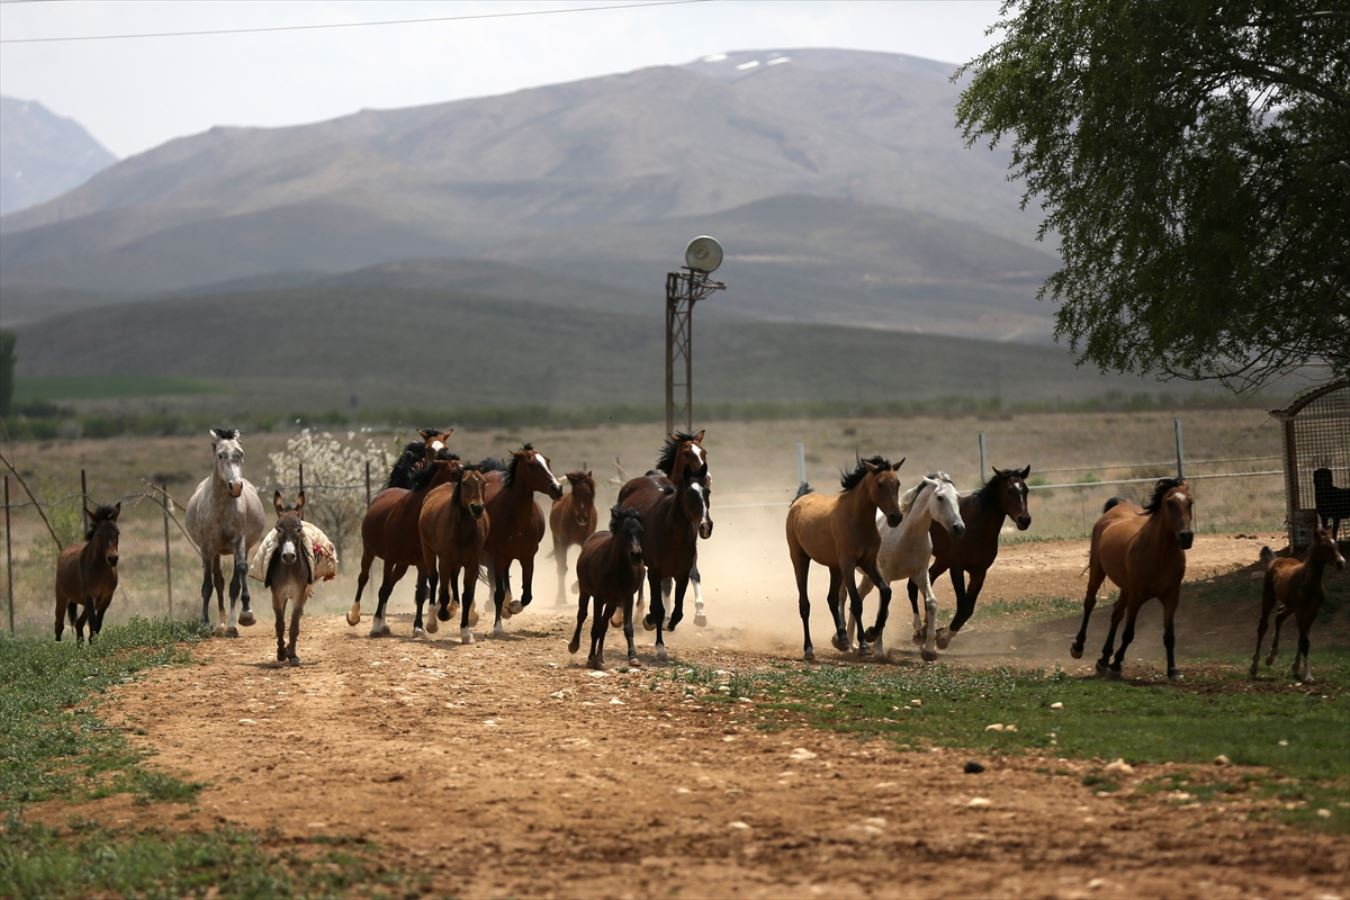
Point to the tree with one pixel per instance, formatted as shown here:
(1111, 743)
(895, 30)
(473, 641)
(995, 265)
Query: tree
(7, 359)
(1193, 159)
(335, 493)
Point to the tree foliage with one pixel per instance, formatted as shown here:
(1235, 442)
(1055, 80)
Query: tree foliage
(335, 494)
(1193, 160)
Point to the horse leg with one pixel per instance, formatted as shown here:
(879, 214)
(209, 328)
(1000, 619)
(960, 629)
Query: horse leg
(699, 618)
(965, 604)
(677, 615)
(878, 628)
(850, 574)
(929, 650)
(1125, 638)
(448, 572)
(1280, 615)
(84, 617)
(583, 603)
(801, 565)
(433, 581)
(560, 563)
(246, 617)
(499, 596)
(1117, 612)
(627, 610)
(1169, 635)
(296, 612)
(390, 576)
(840, 639)
(1267, 604)
(206, 591)
(354, 614)
(279, 610)
(419, 598)
(667, 595)
(218, 578)
(1301, 672)
(526, 584)
(237, 579)
(61, 607)
(1096, 576)
(657, 615)
(596, 658)
(854, 626)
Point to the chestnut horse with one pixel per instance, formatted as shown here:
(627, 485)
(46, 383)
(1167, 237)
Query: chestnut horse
(674, 516)
(389, 531)
(86, 574)
(609, 570)
(840, 533)
(1144, 552)
(571, 521)
(1003, 497)
(454, 526)
(290, 573)
(1297, 588)
(517, 525)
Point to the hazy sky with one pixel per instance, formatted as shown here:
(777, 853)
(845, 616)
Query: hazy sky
(135, 94)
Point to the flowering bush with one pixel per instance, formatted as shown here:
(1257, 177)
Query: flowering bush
(335, 479)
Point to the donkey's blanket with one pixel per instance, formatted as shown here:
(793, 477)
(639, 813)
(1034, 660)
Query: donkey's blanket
(322, 556)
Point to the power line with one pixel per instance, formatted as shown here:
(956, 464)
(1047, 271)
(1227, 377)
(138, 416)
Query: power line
(500, 15)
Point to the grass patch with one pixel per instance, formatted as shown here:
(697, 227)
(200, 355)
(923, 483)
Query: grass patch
(48, 388)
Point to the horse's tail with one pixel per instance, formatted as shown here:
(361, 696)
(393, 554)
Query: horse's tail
(802, 490)
(1267, 557)
(1112, 502)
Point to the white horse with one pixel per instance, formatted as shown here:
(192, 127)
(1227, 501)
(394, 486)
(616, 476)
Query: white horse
(905, 553)
(225, 516)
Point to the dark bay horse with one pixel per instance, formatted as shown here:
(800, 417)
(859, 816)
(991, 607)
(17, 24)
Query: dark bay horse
(572, 520)
(609, 570)
(416, 455)
(1003, 497)
(1144, 552)
(86, 574)
(290, 574)
(389, 531)
(517, 524)
(1297, 589)
(674, 516)
(454, 525)
(840, 533)
(684, 452)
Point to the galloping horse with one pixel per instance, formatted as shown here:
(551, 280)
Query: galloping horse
(1144, 552)
(983, 512)
(86, 574)
(1297, 588)
(290, 573)
(517, 524)
(674, 516)
(454, 526)
(840, 533)
(905, 551)
(571, 521)
(610, 570)
(684, 452)
(226, 516)
(389, 531)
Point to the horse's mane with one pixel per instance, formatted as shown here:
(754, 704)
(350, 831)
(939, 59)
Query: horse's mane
(908, 497)
(421, 477)
(1159, 492)
(103, 513)
(618, 514)
(490, 464)
(850, 480)
(513, 465)
(666, 461)
(401, 475)
(988, 492)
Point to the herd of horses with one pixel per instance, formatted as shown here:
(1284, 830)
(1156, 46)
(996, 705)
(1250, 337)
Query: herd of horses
(458, 522)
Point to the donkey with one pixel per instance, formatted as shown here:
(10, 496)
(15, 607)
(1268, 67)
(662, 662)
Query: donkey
(572, 520)
(609, 570)
(86, 574)
(224, 516)
(1297, 588)
(290, 573)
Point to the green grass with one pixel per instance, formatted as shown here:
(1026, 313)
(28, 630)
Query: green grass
(53, 746)
(46, 388)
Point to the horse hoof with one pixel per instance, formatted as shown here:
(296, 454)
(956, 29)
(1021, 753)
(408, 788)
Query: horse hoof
(379, 629)
(417, 633)
(281, 656)
(648, 624)
(841, 642)
(498, 631)
(220, 629)
(661, 651)
(1173, 674)
(928, 655)
(944, 637)
(634, 662)
(443, 613)
(864, 649)
(1253, 672)
(354, 615)
(506, 611)
(466, 635)
(515, 606)
(294, 661)
(1076, 651)
(574, 645)
(1102, 668)
(809, 655)
(232, 632)
(246, 618)
(1113, 675)
(701, 620)
(595, 664)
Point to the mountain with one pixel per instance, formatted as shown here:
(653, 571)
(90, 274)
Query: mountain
(43, 155)
(836, 180)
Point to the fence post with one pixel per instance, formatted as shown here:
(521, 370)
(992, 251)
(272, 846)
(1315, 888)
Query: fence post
(984, 461)
(9, 561)
(367, 482)
(801, 462)
(302, 478)
(84, 501)
(1181, 456)
(168, 564)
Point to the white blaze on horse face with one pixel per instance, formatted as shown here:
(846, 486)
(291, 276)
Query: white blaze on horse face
(543, 464)
(437, 446)
(698, 455)
(702, 503)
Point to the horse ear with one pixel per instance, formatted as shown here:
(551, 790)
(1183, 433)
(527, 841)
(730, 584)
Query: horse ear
(1025, 472)
(117, 510)
(215, 438)
(869, 465)
(672, 438)
(698, 438)
(89, 514)
(426, 433)
(276, 502)
(448, 432)
(897, 466)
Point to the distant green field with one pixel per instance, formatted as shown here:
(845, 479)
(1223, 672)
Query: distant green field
(36, 388)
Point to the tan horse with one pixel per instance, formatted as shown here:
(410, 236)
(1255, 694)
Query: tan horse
(86, 574)
(454, 526)
(1297, 588)
(1144, 552)
(572, 520)
(840, 533)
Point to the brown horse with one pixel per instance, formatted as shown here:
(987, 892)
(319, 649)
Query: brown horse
(517, 524)
(290, 573)
(86, 574)
(682, 454)
(389, 531)
(1144, 552)
(609, 570)
(415, 456)
(1297, 588)
(454, 525)
(572, 520)
(1003, 497)
(674, 516)
(840, 533)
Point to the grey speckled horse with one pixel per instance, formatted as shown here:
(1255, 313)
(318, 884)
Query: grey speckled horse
(225, 516)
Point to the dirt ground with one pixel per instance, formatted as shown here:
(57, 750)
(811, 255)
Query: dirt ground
(505, 768)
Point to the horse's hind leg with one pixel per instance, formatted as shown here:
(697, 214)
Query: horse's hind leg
(61, 607)
(1096, 576)
(878, 628)
(1131, 611)
(801, 565)
(1117, 612)
(596, 658)
(1282, 614)
(1301, 671)
(677, 613)
(583, 603)
(246, 617)
(658, 615)
(84, 617)
(206, 591)
(419, 599)
(237, 589)
(218, 578)
(854, 626)
(433, 581)
(392, 573)
(499, 596)
(1267, 604)
(850, 575)
(966, 595)
(929, 646)
(354, 614)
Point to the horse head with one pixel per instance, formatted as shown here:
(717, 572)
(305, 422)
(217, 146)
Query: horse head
(583, 496)
(1325, 548)
(434, 441)
(625, 524)
(695, 500)
(531, 467)
(1172, 496)
(883, 486)
(229, 459)
(946, 503)
(469, 493)
(682, 454)
(103, 532)
(1009, 491)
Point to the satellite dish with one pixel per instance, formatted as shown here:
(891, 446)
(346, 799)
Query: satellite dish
(703, 254)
